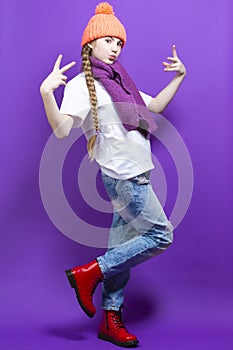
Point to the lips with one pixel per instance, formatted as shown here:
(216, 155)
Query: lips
(112, 58)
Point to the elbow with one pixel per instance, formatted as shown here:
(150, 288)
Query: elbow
(161, 110)
(155, 106)
(63, 130)
(157, 110)
(61, 134)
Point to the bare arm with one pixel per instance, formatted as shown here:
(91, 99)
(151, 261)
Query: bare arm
(160, 102)
(60, 123)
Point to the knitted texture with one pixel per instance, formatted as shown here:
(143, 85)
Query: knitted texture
(124, 93)
(103, 23)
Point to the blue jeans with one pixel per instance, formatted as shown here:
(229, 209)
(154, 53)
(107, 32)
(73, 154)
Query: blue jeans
(139, 231)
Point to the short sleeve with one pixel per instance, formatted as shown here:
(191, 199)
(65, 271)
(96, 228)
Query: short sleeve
(146, 98)
(75, 101)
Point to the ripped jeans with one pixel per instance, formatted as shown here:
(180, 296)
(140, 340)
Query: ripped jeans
(139, 231)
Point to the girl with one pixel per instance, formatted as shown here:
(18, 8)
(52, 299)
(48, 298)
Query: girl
(115, 118)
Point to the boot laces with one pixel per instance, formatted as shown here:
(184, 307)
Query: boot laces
(117, 319)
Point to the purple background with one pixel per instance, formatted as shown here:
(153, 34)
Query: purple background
(183, 298)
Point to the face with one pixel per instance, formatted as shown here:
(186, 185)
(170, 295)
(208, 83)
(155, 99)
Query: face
(106, 49)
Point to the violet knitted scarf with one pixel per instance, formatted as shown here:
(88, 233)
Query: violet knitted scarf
(124, 93)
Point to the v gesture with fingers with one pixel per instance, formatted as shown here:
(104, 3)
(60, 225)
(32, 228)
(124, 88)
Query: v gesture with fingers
(56, 77)
(175, 64)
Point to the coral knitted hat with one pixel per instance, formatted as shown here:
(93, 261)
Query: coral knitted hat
(103, 23)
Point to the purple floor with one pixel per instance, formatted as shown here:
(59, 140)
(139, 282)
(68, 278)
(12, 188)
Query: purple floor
(39, 311)
(165, 330)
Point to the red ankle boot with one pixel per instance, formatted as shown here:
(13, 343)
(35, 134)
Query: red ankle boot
(84, 279)
(113, 330)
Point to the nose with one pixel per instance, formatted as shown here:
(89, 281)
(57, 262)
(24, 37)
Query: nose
(114, 48)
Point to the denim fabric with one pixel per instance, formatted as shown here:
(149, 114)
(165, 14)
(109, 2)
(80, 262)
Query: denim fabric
(139, 231)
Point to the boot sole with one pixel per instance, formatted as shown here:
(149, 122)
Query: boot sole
(73, 284)
(130, 344)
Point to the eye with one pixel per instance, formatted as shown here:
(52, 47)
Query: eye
(120, 43)
(108, 40)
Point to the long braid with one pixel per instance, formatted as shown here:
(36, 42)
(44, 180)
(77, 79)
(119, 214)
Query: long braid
(93, 98)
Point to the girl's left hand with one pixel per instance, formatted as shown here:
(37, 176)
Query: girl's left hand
(176, 65)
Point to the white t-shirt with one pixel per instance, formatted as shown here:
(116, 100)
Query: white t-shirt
(120, 153)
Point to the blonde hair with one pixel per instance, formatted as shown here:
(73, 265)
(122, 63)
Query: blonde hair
(86, 51)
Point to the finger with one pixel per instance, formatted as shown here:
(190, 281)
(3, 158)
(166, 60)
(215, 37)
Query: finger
(173, 59)
(174, 53)
(63, 77)
(58, 62)
(62, 82)
(169, 64)
(175, 69)
(68, 66)
(174, 65)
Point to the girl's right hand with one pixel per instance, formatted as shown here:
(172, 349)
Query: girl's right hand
(56, 77)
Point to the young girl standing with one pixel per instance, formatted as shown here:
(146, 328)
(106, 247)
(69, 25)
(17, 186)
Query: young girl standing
(116, 120)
